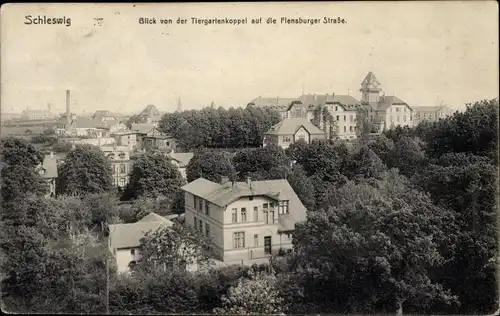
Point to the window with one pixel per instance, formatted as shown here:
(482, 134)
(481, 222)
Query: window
(122, 168)
(132, 252)
(350, 128)
(195, 223)
(337, 118)
(201, 226)
(255, 214)
(121, 155)
(265, 205)
(207, 230)
(194, 201)
(302, 137)
(122, 181)
(345, 129)
(250, 198)
(271, 205)
(239, 240)
(397, 109)
(289, 235)
(283, 207)
(243, 214)
(168, 143)
(286, 139)
(111, 156)
(200, 205)
(271, 214)
(266, 216)
(336, 108)
(234, 215)
(207, 210)
(255, 240)
(345, 118)
(397, 118)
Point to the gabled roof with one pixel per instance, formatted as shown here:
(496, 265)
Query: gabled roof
(290, 126)
(182, 158)
(386, 102)
(150, 111)
(224, 194)
(129, 235)
(312, 100)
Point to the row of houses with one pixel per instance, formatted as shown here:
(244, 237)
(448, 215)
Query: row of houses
(348, 114)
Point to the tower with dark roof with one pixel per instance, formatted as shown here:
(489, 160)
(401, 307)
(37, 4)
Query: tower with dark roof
(370, 89)
(179, 105)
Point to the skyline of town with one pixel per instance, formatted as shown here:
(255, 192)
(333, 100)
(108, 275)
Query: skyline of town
(424, 60)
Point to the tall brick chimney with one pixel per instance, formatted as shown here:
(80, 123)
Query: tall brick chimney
(68, 108)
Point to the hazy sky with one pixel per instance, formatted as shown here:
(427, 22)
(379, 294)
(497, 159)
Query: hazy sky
(419, 51)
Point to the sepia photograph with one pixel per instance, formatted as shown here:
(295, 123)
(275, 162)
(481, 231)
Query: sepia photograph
(245, 158)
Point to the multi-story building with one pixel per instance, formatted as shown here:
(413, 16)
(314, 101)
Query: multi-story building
(383, 111)
(430, 113)
(245, 220)
(281, 105)
(119, 157)
(151, 139)
(290, 130)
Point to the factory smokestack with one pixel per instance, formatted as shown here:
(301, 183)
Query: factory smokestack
(68, 108)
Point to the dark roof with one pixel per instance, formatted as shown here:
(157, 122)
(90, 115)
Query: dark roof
(290, 126)
(279, 104)
(387, 101)
(370, 79)
(224, 194)
(142, 128)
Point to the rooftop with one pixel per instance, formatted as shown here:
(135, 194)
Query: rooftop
(224, 194)
(129, 235)
(290, 126)
(182, 158)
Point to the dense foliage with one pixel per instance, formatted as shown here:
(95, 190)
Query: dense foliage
(406, 222)
(211, 165)
(219, 128)
(85, 170)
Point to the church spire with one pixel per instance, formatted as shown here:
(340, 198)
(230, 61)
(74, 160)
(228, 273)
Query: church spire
(179, 105)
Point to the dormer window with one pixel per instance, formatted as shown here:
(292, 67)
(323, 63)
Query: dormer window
(111, 156)
(283, 207)
(121, 155)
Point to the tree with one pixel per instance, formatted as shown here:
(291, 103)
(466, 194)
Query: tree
(19, 174)
(473, 131)
(365, 165)
(153, 175)
(255, 296)
(322, 159)
(467, 184)
(266, 163)
(303, 186)
(175, 247)
(85, 170)
(376, 247)
(297, 150)
(383, 147)
(211, 165)
(408, 155)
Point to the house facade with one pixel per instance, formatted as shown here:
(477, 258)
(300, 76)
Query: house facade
(290, 130)
(119, 157)
(48, 171)
(430, 113)
(127, 138)
(181, 160)
(245, 220)
(124, 239)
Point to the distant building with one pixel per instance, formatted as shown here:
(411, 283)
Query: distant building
(127, 138)
(124, 239)
(150, 114)
(119, 157)
(383, 111)
(151, 139)
(290, 130)
(278, 104)
(37, 115)
(430, 113)
(48, 170)
(246, 220)
(181, 160)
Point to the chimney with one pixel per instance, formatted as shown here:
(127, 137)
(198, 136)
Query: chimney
(224, 180)
(68, 108)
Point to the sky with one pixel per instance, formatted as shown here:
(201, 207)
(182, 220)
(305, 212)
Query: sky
(422, 52)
